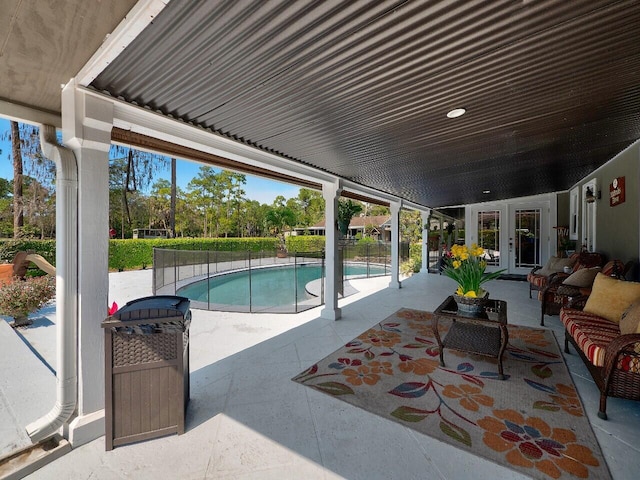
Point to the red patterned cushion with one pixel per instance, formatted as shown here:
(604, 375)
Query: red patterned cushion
(592, 334)
(537, 280)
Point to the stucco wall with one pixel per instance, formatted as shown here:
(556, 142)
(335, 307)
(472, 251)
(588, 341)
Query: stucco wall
(563, 209)
(618, 227)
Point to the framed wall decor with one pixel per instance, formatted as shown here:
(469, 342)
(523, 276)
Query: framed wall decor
(616, 192)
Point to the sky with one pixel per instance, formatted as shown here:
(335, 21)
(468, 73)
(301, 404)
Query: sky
(256, 188)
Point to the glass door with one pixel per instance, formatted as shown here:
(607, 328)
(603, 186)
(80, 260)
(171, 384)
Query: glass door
(516, 235)
(524, 240)
(489, 236)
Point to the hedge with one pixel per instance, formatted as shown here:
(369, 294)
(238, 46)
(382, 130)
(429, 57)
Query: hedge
(136, 253)
(130, 254)
(305, 243)
(46, 248)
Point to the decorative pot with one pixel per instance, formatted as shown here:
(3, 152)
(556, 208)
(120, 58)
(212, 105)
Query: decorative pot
(21, 321)
(471, 305)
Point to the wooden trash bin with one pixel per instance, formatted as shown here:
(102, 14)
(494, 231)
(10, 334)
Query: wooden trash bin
(146, 369)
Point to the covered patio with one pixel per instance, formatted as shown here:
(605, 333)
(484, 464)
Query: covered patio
(350, 98)
(247, 419)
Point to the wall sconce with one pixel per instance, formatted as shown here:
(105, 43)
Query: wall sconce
(589, 196)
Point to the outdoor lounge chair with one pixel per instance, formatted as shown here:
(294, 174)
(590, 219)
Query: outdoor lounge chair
(562, 290)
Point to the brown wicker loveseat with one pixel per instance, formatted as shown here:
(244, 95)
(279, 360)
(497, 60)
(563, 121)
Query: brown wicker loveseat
(563, 289)
(540, 277)
(606, 334)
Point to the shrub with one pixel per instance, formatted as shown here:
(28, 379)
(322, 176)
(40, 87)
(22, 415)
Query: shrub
(305, 243)
(19, 298)
(411, 266)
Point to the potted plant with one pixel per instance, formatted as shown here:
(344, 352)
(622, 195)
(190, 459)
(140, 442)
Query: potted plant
(19, 298)
(467, 267)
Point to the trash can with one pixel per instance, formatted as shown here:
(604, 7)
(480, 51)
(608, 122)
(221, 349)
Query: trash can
(146, 369)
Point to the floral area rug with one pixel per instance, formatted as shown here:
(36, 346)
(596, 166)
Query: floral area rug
(532, 422)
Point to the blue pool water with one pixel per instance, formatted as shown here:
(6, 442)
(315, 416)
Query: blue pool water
(268, 287)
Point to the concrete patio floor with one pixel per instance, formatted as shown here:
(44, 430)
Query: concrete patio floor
(247, 419)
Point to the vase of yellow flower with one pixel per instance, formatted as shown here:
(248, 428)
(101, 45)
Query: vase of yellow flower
(467, 266)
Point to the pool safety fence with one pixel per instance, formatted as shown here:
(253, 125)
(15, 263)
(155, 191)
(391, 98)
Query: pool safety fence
(265, 281)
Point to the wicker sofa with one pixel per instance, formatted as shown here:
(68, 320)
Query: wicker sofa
(606, 335)
(561, 289)
(540, 277)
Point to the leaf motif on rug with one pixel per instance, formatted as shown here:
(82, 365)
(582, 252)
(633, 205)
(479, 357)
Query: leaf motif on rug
(532, 422)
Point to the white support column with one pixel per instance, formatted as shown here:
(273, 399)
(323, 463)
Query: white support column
(86, 129)
(395, 244)
(424, 214)
(331, 193)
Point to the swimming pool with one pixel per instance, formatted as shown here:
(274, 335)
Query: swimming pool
(267, 287)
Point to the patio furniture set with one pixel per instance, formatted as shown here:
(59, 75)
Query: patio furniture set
(598, 308)
(600, 312)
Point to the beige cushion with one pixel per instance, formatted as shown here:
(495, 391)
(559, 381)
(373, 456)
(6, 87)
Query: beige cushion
(610, 297)
(564, 262)
(630, 319)
(582, 278)
(555, 265)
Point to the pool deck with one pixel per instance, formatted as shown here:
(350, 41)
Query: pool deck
(248, 420)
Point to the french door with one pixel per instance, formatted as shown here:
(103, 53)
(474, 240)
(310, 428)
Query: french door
(516, 236)
(525, 246)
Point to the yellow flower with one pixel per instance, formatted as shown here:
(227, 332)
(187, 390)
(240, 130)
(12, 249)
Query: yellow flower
(457, 263)
(470, 293)
(464, 255)
(459, 291)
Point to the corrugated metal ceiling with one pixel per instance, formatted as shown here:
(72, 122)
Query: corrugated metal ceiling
(361, 89)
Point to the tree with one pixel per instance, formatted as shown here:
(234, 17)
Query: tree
(18, 214)
(410, 226)
(135, 171)
(379, 210)
(308, 207)
(278, 217)
(160, 205)
(172, 206)
(39, 209)
(26, 155)
(230, 184)
(205, 193)
(255, 218)
(6, 216)
(346, 211)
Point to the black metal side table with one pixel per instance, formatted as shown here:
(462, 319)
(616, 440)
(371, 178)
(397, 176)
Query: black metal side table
(483, 334)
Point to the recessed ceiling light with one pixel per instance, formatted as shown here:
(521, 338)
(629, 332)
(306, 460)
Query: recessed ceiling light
(486, 191)
(456, 112)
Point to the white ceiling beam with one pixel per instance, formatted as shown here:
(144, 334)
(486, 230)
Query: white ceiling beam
(141, 15)
(24, 114)
(157, 125)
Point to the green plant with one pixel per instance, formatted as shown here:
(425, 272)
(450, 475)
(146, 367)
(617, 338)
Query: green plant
(346, 211)
(19, 298)
(306, 243)
(467, 267)
(411, 266)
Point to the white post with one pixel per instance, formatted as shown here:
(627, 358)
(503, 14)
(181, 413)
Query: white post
(86, 129)
(331, 193)
(395, 244)
(425, 240)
